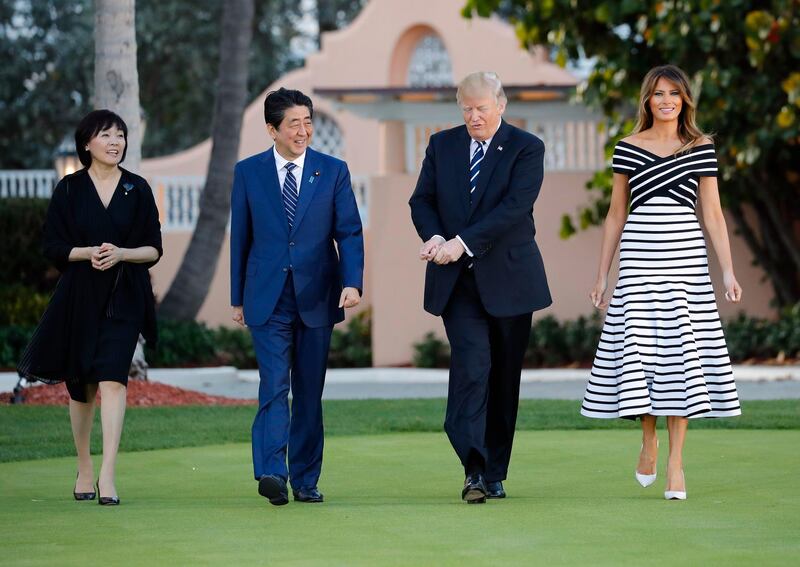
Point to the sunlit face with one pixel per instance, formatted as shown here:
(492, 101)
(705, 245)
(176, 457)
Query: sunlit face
(107, 146)
(294, 133)
(482, 114)
(665, 102)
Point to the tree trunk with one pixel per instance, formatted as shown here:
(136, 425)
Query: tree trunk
(116, 88)
(191, 284)
(116, 80)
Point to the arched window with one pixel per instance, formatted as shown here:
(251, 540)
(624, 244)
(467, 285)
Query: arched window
(430, 64)
(327, 136)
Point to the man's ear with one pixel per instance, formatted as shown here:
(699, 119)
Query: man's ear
(271, 131)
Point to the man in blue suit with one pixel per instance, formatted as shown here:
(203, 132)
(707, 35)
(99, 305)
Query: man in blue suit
(473, 209)
(291, 208)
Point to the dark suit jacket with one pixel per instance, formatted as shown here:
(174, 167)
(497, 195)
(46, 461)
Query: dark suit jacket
(263, 251)
(495, 222)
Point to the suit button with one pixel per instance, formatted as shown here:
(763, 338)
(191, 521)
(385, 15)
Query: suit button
(286, 269)
(291, 244)
(290, 266)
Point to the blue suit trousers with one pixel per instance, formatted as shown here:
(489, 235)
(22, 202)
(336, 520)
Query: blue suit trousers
(291, 356)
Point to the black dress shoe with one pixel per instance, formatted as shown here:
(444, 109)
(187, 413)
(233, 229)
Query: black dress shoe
(273, 488)
(83, 495)
(495, 489)
(307, 495)
(474, 489)
(106, 500)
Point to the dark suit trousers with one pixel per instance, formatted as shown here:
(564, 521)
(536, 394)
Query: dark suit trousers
(290, 355)
(483, 392)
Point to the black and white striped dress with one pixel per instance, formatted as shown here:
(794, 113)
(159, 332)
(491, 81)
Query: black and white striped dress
(662, 350)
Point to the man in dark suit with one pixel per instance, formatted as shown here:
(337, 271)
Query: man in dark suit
(291, 208)
(473, 209)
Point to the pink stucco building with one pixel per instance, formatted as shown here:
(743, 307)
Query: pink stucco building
(380, 87)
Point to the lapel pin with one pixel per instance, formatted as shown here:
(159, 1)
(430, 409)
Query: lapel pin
(311, 178)
(128, 187)
(500, 148)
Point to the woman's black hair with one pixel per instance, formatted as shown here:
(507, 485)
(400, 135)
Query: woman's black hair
(91, 125)
(277, 102)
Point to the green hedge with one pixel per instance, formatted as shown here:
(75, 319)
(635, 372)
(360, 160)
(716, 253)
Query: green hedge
(188, 343)
(21, 222)
(552, 343)
(21, 305)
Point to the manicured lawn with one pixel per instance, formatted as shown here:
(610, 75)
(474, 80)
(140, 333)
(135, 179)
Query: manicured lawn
(28, 432)
(393, 499)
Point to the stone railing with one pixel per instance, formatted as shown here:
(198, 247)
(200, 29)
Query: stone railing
(27, 183)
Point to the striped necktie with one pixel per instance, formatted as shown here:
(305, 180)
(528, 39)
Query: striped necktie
(475, 166)
(290, 194)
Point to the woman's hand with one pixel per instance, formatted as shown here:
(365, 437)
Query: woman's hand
(107, 256)
(733, 291)
(597, 293)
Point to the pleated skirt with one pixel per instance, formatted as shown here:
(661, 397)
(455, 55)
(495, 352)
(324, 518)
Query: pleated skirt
(662, 350)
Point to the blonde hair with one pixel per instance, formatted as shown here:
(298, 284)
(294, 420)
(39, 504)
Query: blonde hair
(688, 131)
(481, 82)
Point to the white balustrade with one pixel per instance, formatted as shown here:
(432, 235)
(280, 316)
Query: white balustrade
(27, 183)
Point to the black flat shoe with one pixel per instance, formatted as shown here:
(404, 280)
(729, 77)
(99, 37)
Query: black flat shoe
(106, 500)
(83, 495)
(474, 489)
(308, 495)
(495, 489)
(273, 488)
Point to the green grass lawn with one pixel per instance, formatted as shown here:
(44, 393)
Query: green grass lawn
(393, 499)
(392, 485)
(29, 432)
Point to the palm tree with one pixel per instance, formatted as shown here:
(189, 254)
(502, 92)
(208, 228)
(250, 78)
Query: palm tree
(116, 87)
(191, 283)
(116, 80)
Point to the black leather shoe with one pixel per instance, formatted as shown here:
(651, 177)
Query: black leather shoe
(83, 495)
(106, 500)
(273, 488)
(474, 489)
(307, 495)
(495, 489)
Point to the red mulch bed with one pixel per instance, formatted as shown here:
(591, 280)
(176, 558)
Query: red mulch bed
(140, 394)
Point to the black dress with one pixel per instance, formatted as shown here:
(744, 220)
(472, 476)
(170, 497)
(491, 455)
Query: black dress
(88, 332)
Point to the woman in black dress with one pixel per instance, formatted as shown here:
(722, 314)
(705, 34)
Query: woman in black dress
(102, 232)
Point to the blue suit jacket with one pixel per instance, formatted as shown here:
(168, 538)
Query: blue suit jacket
(264, 251)
(495, 222)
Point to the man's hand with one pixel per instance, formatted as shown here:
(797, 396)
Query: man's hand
(430, 248)
(238, 315)
(349, 298)
(449, 252)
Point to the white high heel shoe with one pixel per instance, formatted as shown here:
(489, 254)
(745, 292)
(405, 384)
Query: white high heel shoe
(646, 479)
(675, 494)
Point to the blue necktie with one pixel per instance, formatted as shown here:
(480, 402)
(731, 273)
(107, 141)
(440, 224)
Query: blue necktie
(290, 194)
(475, 166)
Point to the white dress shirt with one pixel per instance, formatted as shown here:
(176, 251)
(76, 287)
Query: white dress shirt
(280, 164)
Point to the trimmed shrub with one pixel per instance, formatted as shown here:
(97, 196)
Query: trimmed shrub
(21, 305)
(21, 222)
(431, 352)
(13, 340)
(352, 347)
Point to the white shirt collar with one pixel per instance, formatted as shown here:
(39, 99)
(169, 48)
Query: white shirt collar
(280, 161)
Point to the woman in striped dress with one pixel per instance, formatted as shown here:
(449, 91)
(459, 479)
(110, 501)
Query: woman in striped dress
(662, 351)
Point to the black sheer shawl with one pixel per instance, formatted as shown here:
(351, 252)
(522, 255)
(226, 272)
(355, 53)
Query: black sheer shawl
(63, 345)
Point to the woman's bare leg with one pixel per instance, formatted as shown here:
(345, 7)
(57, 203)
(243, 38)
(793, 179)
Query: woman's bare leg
(649, 453)
(81, 416)
(112, 414)
(677, 427)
